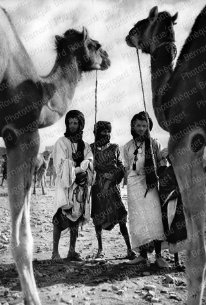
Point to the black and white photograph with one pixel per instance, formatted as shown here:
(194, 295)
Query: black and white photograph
(102, 152)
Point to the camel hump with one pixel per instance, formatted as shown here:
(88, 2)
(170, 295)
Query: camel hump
(195, 43)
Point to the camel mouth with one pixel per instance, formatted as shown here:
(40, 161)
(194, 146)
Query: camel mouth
(129, 42)
(105, 64)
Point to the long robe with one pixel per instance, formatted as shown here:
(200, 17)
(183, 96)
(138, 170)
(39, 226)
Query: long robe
(145, 219)
(107, 206)
(74, 200)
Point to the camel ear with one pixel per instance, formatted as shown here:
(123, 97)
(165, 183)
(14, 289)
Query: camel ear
(153, 13)
(85, 33)
(174, 18)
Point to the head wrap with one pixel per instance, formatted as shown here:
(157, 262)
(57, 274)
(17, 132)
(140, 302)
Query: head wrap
(74, 114)
(142, 116)
(101, 140)
(76, 137)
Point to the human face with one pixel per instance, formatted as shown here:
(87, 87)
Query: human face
(105, 132)
(73, 125)
(140, 127)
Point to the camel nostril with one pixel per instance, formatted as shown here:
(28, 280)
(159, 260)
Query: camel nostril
(198, 141)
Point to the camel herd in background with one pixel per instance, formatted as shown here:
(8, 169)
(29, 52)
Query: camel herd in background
(43, 168)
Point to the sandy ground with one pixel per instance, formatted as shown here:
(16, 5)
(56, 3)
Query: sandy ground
(107, 281)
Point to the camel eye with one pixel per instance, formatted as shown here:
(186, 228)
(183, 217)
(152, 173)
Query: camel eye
(90, 46)
(132, 32)
(198, 141)
(98, 46)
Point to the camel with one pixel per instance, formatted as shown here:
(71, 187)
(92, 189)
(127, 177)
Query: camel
(40, 170)
(179, 96)
(51, 172)
(28, 102)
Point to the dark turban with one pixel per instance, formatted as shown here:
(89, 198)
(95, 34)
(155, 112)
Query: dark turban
(101, 140)
(77, 156)
(102, 125)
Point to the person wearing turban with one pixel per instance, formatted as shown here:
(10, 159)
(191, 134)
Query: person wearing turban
(143, 159)
(73, 162)
(107, 206)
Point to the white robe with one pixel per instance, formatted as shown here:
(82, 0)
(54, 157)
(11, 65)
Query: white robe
(144, 213)
(65, 185)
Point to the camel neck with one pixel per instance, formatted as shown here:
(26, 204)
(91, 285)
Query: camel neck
(161, 70)
(59, 88)
(162, 66)
(64, 77)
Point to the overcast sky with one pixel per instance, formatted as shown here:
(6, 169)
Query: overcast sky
(108, 21)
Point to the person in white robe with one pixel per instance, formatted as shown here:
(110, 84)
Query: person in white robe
(144, 210)
(73, 162)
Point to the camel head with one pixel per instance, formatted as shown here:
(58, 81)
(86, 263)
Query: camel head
(149, 33)
(88, 52)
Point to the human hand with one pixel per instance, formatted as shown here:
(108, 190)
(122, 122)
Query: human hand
(78, 170)
(164, 153)
(84, 165)
(108, 176)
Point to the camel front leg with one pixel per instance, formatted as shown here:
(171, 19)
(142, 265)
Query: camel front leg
(34, 190)
(194, 210)
(21, 160)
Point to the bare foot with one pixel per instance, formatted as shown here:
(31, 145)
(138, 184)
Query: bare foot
(56, 257)
(130, 255)
(100, 254)
(74, 256)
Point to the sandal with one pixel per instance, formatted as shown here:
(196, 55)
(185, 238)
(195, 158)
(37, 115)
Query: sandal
(139, 261)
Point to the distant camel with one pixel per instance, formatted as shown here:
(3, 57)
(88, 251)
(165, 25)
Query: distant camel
(28, 102)
(40, 170)
(179, 101)
(51, 172)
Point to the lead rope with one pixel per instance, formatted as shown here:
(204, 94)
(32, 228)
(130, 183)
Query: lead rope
(151, 147)
(95, 119)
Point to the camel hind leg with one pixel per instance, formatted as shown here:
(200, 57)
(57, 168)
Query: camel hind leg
(21, 159)
(188, 168)
(196, 259)
(42, 186)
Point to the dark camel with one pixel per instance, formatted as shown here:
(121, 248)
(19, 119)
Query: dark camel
(29, 102)
(179, 102)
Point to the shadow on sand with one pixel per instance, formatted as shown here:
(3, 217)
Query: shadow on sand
(91, 272)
